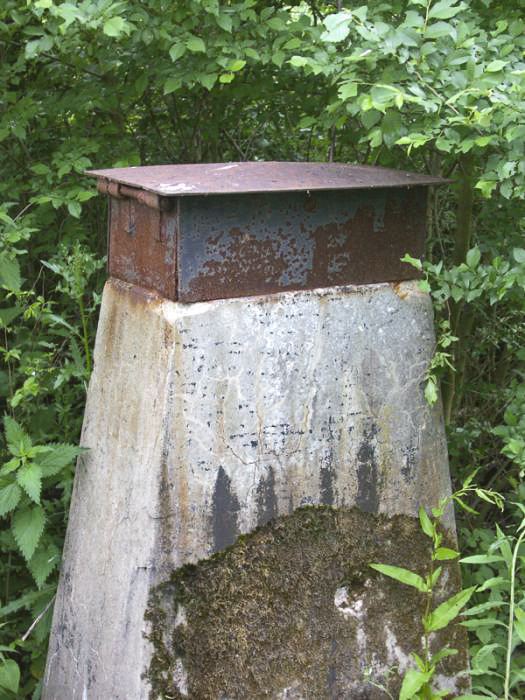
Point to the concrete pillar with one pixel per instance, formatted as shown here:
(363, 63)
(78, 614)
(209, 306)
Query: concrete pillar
(249, 457)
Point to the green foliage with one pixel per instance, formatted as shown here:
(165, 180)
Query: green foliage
(419, 682)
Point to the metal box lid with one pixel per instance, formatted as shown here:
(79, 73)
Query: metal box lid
(211, 231)
(250, 177)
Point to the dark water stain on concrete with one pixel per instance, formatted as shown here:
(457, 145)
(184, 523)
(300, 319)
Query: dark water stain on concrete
(368, 473)
(225, 508)
(262, 618)
(266, 499)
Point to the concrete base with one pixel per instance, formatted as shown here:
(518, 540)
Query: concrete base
(207, 420)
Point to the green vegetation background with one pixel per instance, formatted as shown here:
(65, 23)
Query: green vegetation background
(434, 86)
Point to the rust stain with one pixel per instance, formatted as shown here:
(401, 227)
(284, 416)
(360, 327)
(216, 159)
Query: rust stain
(400, 290)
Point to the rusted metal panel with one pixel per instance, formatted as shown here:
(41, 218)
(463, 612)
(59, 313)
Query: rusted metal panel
(240, 178)
(233, 246)
(142, 245)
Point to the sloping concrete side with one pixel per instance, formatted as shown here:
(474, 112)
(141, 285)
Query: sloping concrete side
(206, 420)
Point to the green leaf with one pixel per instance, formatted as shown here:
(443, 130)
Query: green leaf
(495, 66)
(226, 77)
(236, 65)
(57, 457)
(27, 600)
(114, 27)
(196, 44)
(481, 559)
(473, 257)
(9, 498)
(519, 255)
(74, 208)
(298, 61)
(337, 27)
(402, 575)
(9, 273)
(431, 393)
(347, 90)
(43, 562)
(29, 477)
(439, 29)
(8, 315)
(208, 80)
(447, 611)
(519, 623)
(444, 9)
(177, 50)
(413, 681)
(28, 525)
(14, 434)
(171, 85)
(224, 21)
(444, 553)
(9, 675)
(426, 523)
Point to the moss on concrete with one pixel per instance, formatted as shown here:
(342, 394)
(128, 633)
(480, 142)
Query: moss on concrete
(259, 620)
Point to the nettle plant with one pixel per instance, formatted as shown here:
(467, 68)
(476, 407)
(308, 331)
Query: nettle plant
(419, 681)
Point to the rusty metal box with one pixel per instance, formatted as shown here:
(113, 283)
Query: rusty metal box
(212, 231)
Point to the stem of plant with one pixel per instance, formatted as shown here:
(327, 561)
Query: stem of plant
(85, 333)
(511, 614)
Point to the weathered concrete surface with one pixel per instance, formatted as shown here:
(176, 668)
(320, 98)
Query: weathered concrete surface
(209, 419)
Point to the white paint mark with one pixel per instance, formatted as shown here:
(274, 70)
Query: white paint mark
(180, 677)
(227, 167)
(167, 188)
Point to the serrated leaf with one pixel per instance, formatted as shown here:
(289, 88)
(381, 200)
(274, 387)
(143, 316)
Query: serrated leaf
(14, 434)
(30, 479)
(57, 457)
(43, 562)
(28, 525)
(26, 601)
(448, 610)
(9, 497)
(10, 273)
(413, 681)
(403, 575)
(196, 44)
(9, 675)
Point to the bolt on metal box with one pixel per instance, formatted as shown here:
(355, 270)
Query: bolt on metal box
(213, 231)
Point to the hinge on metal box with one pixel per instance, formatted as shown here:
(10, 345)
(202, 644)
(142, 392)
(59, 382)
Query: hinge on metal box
(119, 191)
